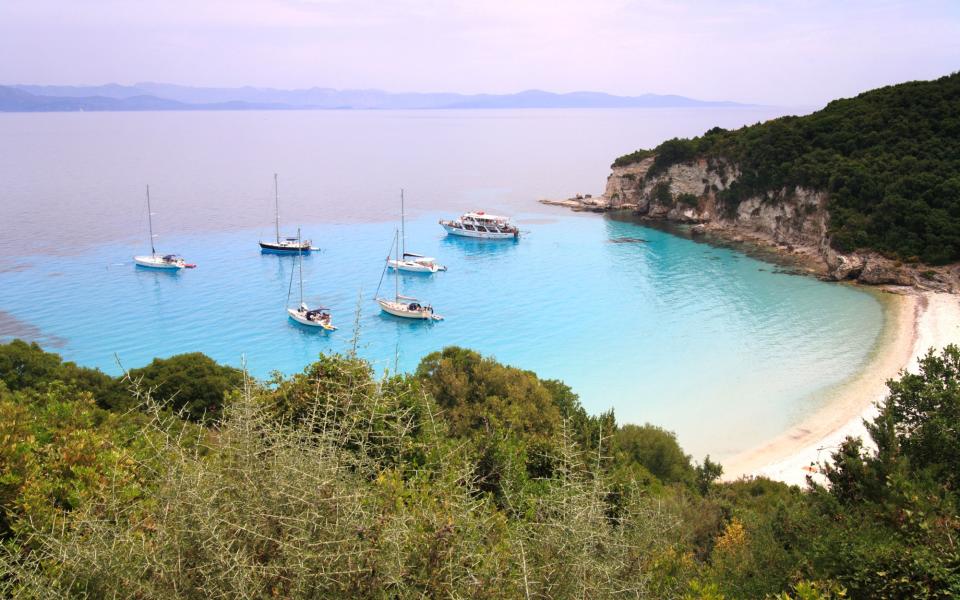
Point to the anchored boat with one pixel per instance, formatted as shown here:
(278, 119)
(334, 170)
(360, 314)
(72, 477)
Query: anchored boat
(283, 244)
(405, 307)
(171, 262)
(409, 261)
(481, 225)
(318, 316)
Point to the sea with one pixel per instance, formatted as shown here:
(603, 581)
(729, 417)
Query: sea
(722, 348)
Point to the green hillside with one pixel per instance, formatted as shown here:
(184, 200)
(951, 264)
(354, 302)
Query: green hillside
(889, 158)
(465, 479)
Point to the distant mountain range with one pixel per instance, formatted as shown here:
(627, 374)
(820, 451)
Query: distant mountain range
(165, 96)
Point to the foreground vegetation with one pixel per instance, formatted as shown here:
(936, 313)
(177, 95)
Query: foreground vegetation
(467, 478)
(889, 158)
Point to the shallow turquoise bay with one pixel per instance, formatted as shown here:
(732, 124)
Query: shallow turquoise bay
(702, 340)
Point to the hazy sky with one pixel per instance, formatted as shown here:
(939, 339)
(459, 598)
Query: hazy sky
(792, 53)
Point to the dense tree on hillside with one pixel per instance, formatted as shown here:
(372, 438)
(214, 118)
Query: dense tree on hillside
(889, 158)
(896, 506)
(24, 366)
(193, 384)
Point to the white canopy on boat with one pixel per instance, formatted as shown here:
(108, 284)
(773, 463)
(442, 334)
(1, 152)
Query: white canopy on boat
(482, 216)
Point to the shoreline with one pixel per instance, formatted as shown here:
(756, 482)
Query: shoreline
(920, 313)
(920, 320)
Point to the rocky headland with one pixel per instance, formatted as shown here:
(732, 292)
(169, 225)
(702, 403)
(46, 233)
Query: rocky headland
(792, 222)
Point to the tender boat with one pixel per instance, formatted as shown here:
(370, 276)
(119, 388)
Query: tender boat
(318, 316)
(481, 225)
(283, 244)
(405, 307)
(409, 261)
(170, 262)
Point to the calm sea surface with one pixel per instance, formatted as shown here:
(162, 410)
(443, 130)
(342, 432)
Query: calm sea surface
(704, 341)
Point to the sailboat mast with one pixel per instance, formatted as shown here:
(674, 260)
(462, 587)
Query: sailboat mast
(396, 271)
(153, 251)
(276, 200)
(403, 230)
(300, 261)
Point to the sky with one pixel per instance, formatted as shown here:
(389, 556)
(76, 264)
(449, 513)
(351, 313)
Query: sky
(800, 53)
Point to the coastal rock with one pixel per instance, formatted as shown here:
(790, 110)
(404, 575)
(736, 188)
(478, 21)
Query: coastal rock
(622, 185)
(792, 222)
(878, 270)
(843, 266)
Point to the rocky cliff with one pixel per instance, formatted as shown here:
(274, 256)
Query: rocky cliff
(793, 221)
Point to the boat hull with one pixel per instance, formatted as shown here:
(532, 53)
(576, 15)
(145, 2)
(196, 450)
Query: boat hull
(400, 310)
(299, 318)
(284, 248)
(484, 235)
(149, 262)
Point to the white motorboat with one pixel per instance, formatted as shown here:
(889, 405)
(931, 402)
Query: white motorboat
(409, 261)
(283, 244)
(170, 262)
(481, 225)
(318, 316)
(405, 307)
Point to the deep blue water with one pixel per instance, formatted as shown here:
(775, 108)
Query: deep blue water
(702, 340)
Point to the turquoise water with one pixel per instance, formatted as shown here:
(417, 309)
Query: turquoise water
(699, 339)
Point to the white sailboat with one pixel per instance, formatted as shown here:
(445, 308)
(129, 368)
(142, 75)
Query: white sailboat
(319, 316)
(409, 261)
(169, 262)
(405, 307)
(283, 244)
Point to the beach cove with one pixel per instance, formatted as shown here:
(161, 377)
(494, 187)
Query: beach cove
(917, 322)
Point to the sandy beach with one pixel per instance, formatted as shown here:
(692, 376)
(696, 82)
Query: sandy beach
(916, 322)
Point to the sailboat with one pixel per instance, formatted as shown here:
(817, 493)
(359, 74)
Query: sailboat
(408, 261)
(318, 316)
(159, 261)
(406, 307)
(283, 244)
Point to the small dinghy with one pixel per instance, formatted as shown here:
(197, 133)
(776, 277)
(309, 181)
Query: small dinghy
(409, 261)
(404, 307)
(170, 262)
(318, 316)
(283, 244)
